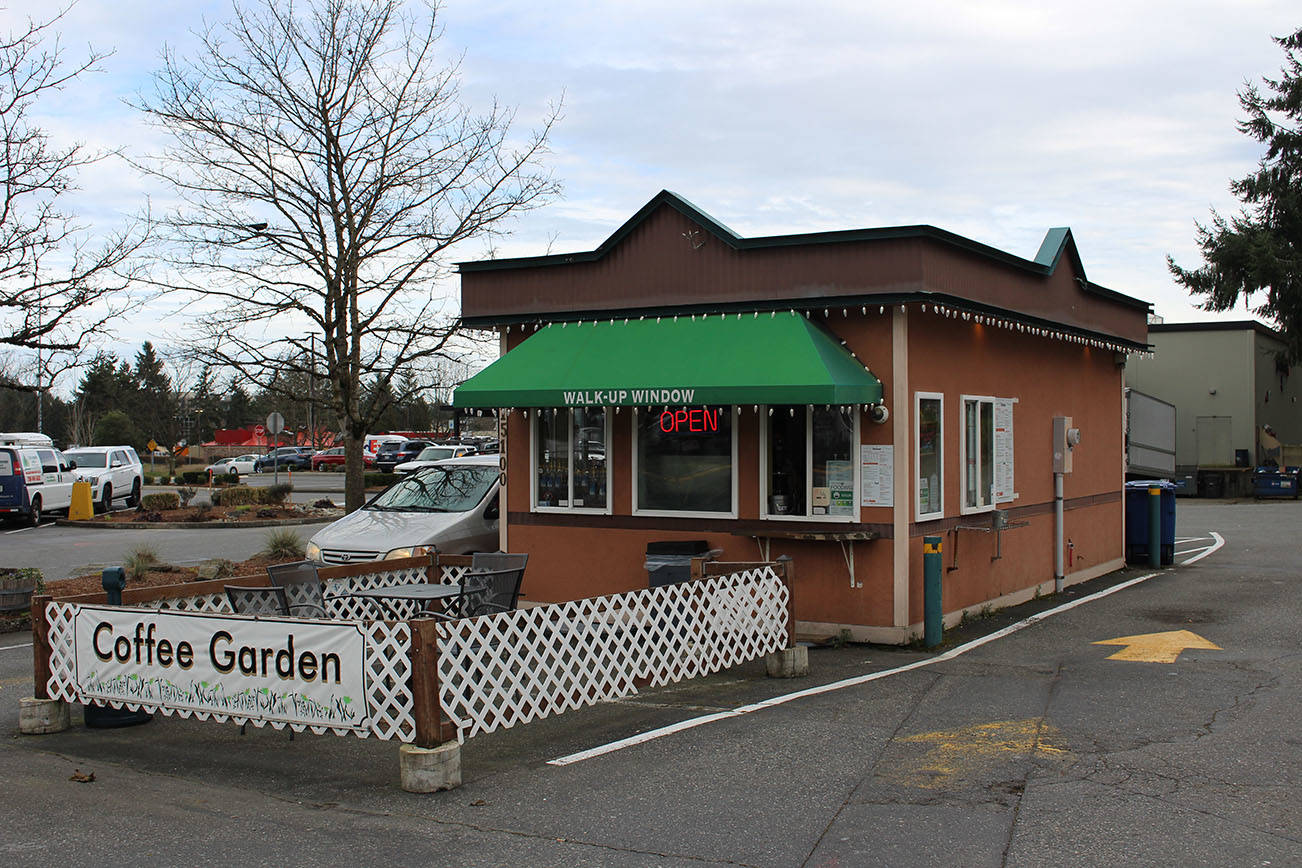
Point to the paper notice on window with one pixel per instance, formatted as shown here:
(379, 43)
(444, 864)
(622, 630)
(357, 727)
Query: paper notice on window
(1004, 492)
(877, 475)
(840, 484)
(821, 496)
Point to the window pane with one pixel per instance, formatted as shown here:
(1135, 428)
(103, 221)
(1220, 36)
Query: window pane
(589, 457)
(787, 485)
(971, 449)
(832, 492)
(553, 466)
(987, 453)
(684, 459)
(929, 481)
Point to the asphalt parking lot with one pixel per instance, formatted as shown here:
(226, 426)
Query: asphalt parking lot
(1023, 742)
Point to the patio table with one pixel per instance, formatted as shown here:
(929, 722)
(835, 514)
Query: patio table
(416, 592)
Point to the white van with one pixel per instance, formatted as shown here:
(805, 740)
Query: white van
(33, 478)
(372, 442)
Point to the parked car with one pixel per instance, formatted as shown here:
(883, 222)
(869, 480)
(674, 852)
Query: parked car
(390, 455)
(326, 458)
(112, 471)
(285, 458)
(451, 507)
(431, 455)
(232, 467)
(34, 477)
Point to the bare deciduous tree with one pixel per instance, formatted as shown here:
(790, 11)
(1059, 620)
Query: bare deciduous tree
(327, 165)
(58, 289)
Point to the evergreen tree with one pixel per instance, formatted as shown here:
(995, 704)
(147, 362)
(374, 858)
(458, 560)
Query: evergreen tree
(152, 405)
(1260, 249)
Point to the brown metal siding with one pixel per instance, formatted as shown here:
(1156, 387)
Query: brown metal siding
(668, 261)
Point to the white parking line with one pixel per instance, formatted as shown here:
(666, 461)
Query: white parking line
(11, 647)
(21, 529)
(694, 722)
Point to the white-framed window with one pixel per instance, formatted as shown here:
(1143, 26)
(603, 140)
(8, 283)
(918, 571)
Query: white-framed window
(684, 462)
(569, 468)
(928, 455)
(807, 466)
(976, 453)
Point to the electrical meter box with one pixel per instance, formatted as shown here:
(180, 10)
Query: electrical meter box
(1065, 438)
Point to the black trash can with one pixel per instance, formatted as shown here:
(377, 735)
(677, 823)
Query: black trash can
(670, 562)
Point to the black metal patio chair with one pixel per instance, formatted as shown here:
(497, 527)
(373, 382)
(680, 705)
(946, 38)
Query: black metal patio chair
(492, 584)
(302, 587)
(262, 600)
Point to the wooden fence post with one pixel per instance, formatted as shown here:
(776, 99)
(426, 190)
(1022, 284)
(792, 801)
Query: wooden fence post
(40, 648)
(432, 726)
(787, 570)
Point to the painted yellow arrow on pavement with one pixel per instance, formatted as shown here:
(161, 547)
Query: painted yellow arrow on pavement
(1158, 647)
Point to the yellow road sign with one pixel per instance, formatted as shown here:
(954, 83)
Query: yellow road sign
(1158, 647)
(151, 446)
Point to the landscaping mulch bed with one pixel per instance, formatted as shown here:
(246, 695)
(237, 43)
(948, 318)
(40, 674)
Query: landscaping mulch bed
(202, 515)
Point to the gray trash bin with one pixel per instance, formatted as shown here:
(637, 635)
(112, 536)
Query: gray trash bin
(670, 562)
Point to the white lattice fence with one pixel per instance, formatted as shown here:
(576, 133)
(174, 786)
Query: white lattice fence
(498, 671)
(386, 660)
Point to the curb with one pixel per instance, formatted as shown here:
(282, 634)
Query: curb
(192, 525)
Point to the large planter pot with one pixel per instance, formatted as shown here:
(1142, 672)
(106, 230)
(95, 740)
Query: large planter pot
(16, 588)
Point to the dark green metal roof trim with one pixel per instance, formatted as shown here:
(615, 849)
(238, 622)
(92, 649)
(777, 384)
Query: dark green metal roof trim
(1056, 242)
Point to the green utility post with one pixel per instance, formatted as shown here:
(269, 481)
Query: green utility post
(1154, 526)
(933, 613)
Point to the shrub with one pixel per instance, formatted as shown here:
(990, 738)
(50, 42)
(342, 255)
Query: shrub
(236, 495)
(139, 561)
(276, 494)
(202, 512)
(379, 480)
(160, 501)
(284, 544)
(195, 477)
(186, 494)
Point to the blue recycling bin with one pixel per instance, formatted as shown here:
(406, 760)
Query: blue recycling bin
(1137, 521)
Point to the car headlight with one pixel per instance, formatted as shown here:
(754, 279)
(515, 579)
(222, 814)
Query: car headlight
(312, 552)
(410, 552)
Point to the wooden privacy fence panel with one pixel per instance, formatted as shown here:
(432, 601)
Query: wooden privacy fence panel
(498, 671)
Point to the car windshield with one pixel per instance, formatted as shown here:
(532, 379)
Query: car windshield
(88, 459)
(437, 489)
(435, 453)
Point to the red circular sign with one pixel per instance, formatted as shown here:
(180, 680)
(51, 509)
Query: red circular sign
(259, 430)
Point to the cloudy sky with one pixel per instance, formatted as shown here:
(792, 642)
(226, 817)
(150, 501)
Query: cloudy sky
(995, 120)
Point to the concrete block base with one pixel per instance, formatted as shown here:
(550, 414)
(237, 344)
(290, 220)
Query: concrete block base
(42, 716)
(428, 770)
(788, 663)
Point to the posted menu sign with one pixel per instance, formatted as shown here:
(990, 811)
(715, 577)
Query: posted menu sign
(877, 472)
(271, 668)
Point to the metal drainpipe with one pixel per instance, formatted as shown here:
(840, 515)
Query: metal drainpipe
(1057, 533)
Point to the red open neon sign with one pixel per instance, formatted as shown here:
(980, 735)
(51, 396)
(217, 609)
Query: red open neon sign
(698, 419)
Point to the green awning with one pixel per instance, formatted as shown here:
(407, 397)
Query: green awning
(718, 359)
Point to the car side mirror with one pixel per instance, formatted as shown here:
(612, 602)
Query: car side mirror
(72, 465)
(492, 511)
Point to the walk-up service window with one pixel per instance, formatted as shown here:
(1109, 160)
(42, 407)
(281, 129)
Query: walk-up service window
(809, 469)
(684, 459)
(986, 452)
(928, 437)
(570, 467)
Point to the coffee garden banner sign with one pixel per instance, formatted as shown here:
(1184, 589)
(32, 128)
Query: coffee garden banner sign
(277, 669)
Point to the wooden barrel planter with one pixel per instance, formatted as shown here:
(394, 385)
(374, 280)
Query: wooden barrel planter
(16, 588)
